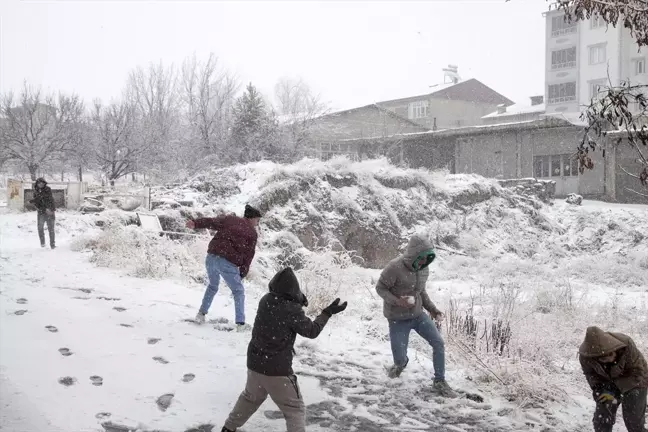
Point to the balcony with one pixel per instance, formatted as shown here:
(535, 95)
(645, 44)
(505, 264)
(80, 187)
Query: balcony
(567, 65)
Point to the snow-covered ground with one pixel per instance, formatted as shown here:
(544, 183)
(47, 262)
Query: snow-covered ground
(587, 266)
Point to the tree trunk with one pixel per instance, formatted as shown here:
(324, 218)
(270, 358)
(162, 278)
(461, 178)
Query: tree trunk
(63, 175)
(133, 176)
(80, 173)
(33, 171)
(112, 183)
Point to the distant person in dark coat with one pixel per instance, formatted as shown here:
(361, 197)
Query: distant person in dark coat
(44, 202)
(229, 256)
(617, 372)
(280, 318)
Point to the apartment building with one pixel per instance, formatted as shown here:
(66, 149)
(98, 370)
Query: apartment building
(582, 56)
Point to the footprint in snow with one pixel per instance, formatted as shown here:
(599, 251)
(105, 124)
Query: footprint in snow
(161, 360)
(81, 298)
(65, 352)
(164, 401)
(102, 415)
(125, 325)
(188, 377)
(119, 308)
(67, 381)
(153, 341)
(21, 301)
(96, 380)
(21, 312)
(51, 329)
(108, 298)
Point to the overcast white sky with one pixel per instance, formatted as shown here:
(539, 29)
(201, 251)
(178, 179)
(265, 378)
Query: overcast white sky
(353, 53)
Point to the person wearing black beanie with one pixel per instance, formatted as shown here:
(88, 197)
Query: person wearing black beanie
(229, 256)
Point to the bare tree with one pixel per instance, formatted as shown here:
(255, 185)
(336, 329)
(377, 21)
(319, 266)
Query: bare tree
(620, 107)
(117, 145)
(40, 128)
(153, 92)
(208, 93)
(298, 107)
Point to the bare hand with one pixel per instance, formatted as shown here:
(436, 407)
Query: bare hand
(191, 224)
(439, 317)
(404, 303)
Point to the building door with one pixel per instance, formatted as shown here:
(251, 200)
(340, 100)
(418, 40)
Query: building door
(564, 171)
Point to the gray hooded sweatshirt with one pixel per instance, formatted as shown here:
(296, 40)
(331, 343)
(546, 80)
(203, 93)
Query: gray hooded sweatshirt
(401, 279)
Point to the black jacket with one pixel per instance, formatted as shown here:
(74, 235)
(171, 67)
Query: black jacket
(43, 199)
(280, 318)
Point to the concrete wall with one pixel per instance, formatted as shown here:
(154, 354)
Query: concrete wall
(510, 154)
(448, 113)
(427, 152)
(624, 156)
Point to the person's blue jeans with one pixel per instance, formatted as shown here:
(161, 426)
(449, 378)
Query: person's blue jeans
(218, 267)
(399, 332)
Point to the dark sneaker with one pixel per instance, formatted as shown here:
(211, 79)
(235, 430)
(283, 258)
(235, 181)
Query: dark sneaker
(42, 245)
(226, 430)
(444, 389)
(53, 247)
(395, 371)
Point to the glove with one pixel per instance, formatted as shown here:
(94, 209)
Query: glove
(334, 308)
(606, 397)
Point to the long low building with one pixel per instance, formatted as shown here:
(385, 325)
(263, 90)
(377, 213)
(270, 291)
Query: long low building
(544, 149)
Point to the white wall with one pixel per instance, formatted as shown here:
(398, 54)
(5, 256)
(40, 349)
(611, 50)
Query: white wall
(588, 73)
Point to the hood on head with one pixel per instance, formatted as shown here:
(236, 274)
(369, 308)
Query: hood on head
(419, 248)
(286, 285)
(41, 180)
(599, 343)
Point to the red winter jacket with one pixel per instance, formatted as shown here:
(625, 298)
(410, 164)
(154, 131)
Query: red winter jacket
(235, 240)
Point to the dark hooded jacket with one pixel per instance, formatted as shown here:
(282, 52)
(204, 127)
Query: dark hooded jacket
(43, 198)
(279, 319)
(629, 370)
(400, 278)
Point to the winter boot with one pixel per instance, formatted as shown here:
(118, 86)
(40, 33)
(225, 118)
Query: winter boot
(444, 389)
(395, 371)
(42, 245)
(200, 318)
(241, 327)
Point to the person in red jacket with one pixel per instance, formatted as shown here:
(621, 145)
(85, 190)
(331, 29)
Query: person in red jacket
(229, 256)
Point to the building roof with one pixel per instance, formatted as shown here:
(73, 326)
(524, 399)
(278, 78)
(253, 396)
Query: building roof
(471, 90)
(548, 122)
(517, 109)
(377, 108)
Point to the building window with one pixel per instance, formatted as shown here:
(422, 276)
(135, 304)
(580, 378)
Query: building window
(417, 110)
(596, 21)
(564, 92)
(563, 59)
(596, 87)
(639, 66)
(563, 165)
(560, 27)
(597, 54)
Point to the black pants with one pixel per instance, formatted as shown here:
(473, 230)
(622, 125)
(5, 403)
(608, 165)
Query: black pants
(50, 219)
(634, 412)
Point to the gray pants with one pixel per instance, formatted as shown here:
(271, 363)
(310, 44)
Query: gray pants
(50, 219)
(283, 390)
(634, 412)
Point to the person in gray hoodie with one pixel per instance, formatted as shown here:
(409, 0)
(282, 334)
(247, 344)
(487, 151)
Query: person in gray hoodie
(402, 288)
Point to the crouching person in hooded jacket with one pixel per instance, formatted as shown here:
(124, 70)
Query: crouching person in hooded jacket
(617, 372)
(280, 318)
